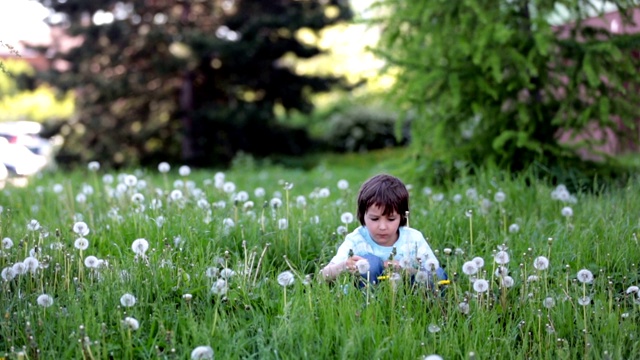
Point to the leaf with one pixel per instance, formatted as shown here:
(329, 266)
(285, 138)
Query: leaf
(498, 142)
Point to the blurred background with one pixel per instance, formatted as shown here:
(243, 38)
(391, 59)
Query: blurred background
(130, 83)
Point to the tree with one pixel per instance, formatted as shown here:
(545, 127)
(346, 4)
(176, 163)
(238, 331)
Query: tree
(189, 81)
(502, 82)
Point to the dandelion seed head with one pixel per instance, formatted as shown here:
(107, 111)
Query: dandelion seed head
(501, 257)
(33, 225)
(432, 357)
(127, 300)
(481, 285)
(469, 268)
(8, 273)
(7, 243)
(343, 184)
(478, 261)
(286, 278)
(175, 194)
(514, 228)
(91, 262)
(93, 166)
(324, 193)
(229, 187)
(184, 170)
(220, 287)
(549, 302)
(45, 300)
(464, 308)
(140, 246)
(433, 328)
(507, 281)
(632, 289)
(227, 273)
(584, 300)
(567, 211)
(363, 266)
(131, 323)
(81, 243)
(164, 167)
(499, 197)
(585, 276)
(259, 192)
(346, 218)
(283, 224)
(202, 353)
(541, 263)
(130, 180)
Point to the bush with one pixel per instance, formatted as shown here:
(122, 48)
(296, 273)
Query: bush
(364, 128)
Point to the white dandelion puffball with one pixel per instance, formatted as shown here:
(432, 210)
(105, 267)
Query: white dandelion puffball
(130, 180)
(632, 289)
(81, 243)
(426, 191)
(283, 224)
(363, 266)
(478, 261)
(567, 211)
(275, 203)
(33, 225)
(184, 170)
(431, 264)
(81, 228)
(433, 328)
(585, 276)
(227, 273)
(541, 263)
(164, 167)
(93, 166)
(202, 353)
(286, 278)
(140, 246)
(127, 300)
(20, 268)
(549, 302)
(131, 323)
(469, 268)
(501, 257)
(212, 272)
(220, 287)
(499, 197)
(481, 285)
(584, 300)
(175, 195)
(464, 308)
(346, 218)
(341, 230)
(31, 263)
(514, 228)
(259, 192)
(91, 262)
(507, 281)
(343, 184)
(45, 300)
(7, 243)
(8, 273)
(228, 187)
(432, 357)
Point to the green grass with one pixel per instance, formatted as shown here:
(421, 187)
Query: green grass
(188, 239)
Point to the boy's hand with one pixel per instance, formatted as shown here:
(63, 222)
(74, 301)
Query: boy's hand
(350, 264)
(394, 264)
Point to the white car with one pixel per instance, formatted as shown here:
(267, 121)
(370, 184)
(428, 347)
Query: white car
(22, 151)
(19, 160)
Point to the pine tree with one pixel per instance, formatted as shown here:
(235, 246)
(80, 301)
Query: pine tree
(498, 82)
(189, 81)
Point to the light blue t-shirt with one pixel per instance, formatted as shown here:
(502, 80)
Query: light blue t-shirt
(410, 246)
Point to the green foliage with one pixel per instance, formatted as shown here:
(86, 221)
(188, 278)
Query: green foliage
(364, 128)
(497, 83)
(543, 315)
(190, 82)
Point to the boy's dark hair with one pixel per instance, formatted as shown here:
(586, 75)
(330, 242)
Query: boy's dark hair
(387, 192)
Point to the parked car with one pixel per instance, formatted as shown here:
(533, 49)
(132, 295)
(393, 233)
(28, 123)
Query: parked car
(22, 150)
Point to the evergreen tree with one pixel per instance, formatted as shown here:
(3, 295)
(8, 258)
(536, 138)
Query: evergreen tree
(499, 82)
(189, 81)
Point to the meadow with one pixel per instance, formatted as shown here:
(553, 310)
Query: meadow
(173, 263)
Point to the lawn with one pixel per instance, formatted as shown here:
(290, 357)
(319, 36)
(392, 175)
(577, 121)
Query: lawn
(145, 264)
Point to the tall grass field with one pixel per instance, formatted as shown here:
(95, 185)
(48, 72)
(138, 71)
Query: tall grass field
(170, 263)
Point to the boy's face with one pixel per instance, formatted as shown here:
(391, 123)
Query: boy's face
(383, 228)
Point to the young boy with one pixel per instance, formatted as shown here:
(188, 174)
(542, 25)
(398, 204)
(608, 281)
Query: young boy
(383, 205)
